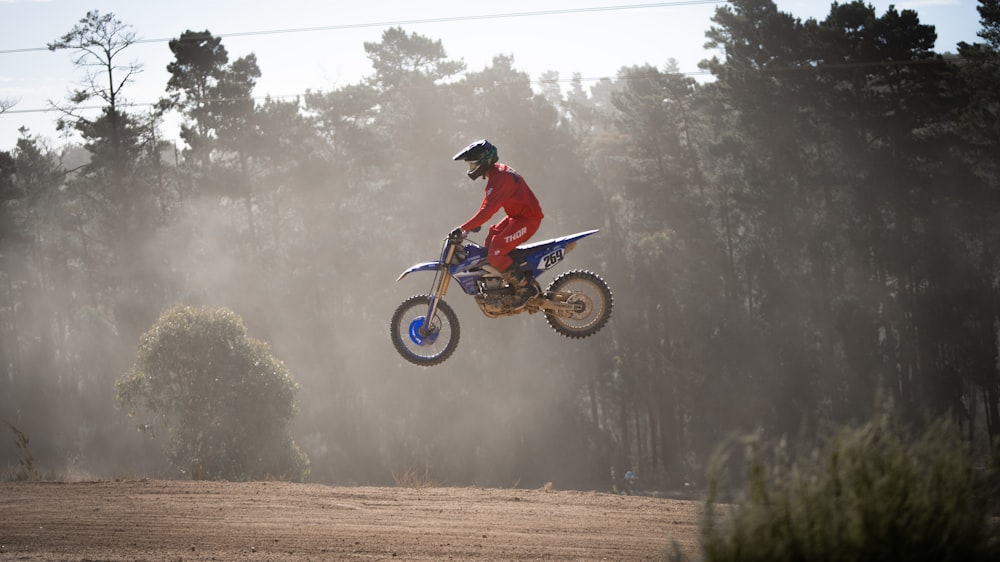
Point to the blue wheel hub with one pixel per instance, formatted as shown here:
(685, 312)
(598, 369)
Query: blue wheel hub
(418, 337)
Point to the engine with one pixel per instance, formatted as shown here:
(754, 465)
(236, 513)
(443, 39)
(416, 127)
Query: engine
(496, 303)
(497, 299)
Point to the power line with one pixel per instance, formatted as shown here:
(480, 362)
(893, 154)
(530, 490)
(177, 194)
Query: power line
(536, 13)
(289, 96)
(769, 70)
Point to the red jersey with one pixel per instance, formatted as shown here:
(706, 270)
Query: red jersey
(506, 188)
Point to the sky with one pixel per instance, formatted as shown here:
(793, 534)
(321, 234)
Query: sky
(319, 44)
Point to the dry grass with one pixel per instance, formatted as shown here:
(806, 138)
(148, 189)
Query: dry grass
(26, 465)
(412, 478)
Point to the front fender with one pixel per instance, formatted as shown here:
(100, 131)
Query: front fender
(425, 266)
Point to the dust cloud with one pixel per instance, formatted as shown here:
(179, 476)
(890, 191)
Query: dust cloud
(315, 278)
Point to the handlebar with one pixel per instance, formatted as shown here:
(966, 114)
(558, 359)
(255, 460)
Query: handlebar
(458, 234)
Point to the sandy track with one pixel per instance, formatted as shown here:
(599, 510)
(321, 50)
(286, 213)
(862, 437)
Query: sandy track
(177, 521)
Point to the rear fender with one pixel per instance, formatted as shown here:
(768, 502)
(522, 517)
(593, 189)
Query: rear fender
(543, 255)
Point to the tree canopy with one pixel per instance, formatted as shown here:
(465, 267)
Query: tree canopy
(813, 225)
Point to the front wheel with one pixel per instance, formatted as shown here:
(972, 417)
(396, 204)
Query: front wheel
(420, 341)
(591, 302)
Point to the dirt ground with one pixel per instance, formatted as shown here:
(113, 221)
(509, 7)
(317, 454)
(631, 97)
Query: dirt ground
(176, 521)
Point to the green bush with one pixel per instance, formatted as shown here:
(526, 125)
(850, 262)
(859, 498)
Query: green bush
(222, 399)
(870, 493)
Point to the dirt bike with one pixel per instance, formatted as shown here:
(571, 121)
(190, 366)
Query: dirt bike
(577, 304)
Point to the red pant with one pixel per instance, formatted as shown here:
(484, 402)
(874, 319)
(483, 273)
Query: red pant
(504, 236)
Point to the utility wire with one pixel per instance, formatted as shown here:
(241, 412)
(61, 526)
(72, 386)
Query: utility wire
(676, 3)
(290, 96)
(536, 13)
(776, 70)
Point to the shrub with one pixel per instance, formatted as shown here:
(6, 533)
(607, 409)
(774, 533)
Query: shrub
(870, 493)
(220, 396)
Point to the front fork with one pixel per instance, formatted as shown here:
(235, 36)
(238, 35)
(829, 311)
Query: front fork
(440, 286)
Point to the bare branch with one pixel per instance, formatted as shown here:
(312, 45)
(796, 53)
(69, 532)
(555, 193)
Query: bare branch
(7, 103)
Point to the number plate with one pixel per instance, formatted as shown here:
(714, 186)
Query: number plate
(552, 258)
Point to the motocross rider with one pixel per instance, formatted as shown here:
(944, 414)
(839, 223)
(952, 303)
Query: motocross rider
(507, 189)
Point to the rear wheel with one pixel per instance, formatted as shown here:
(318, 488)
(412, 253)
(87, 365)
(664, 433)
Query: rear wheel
(591, 299)
(420, 341)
